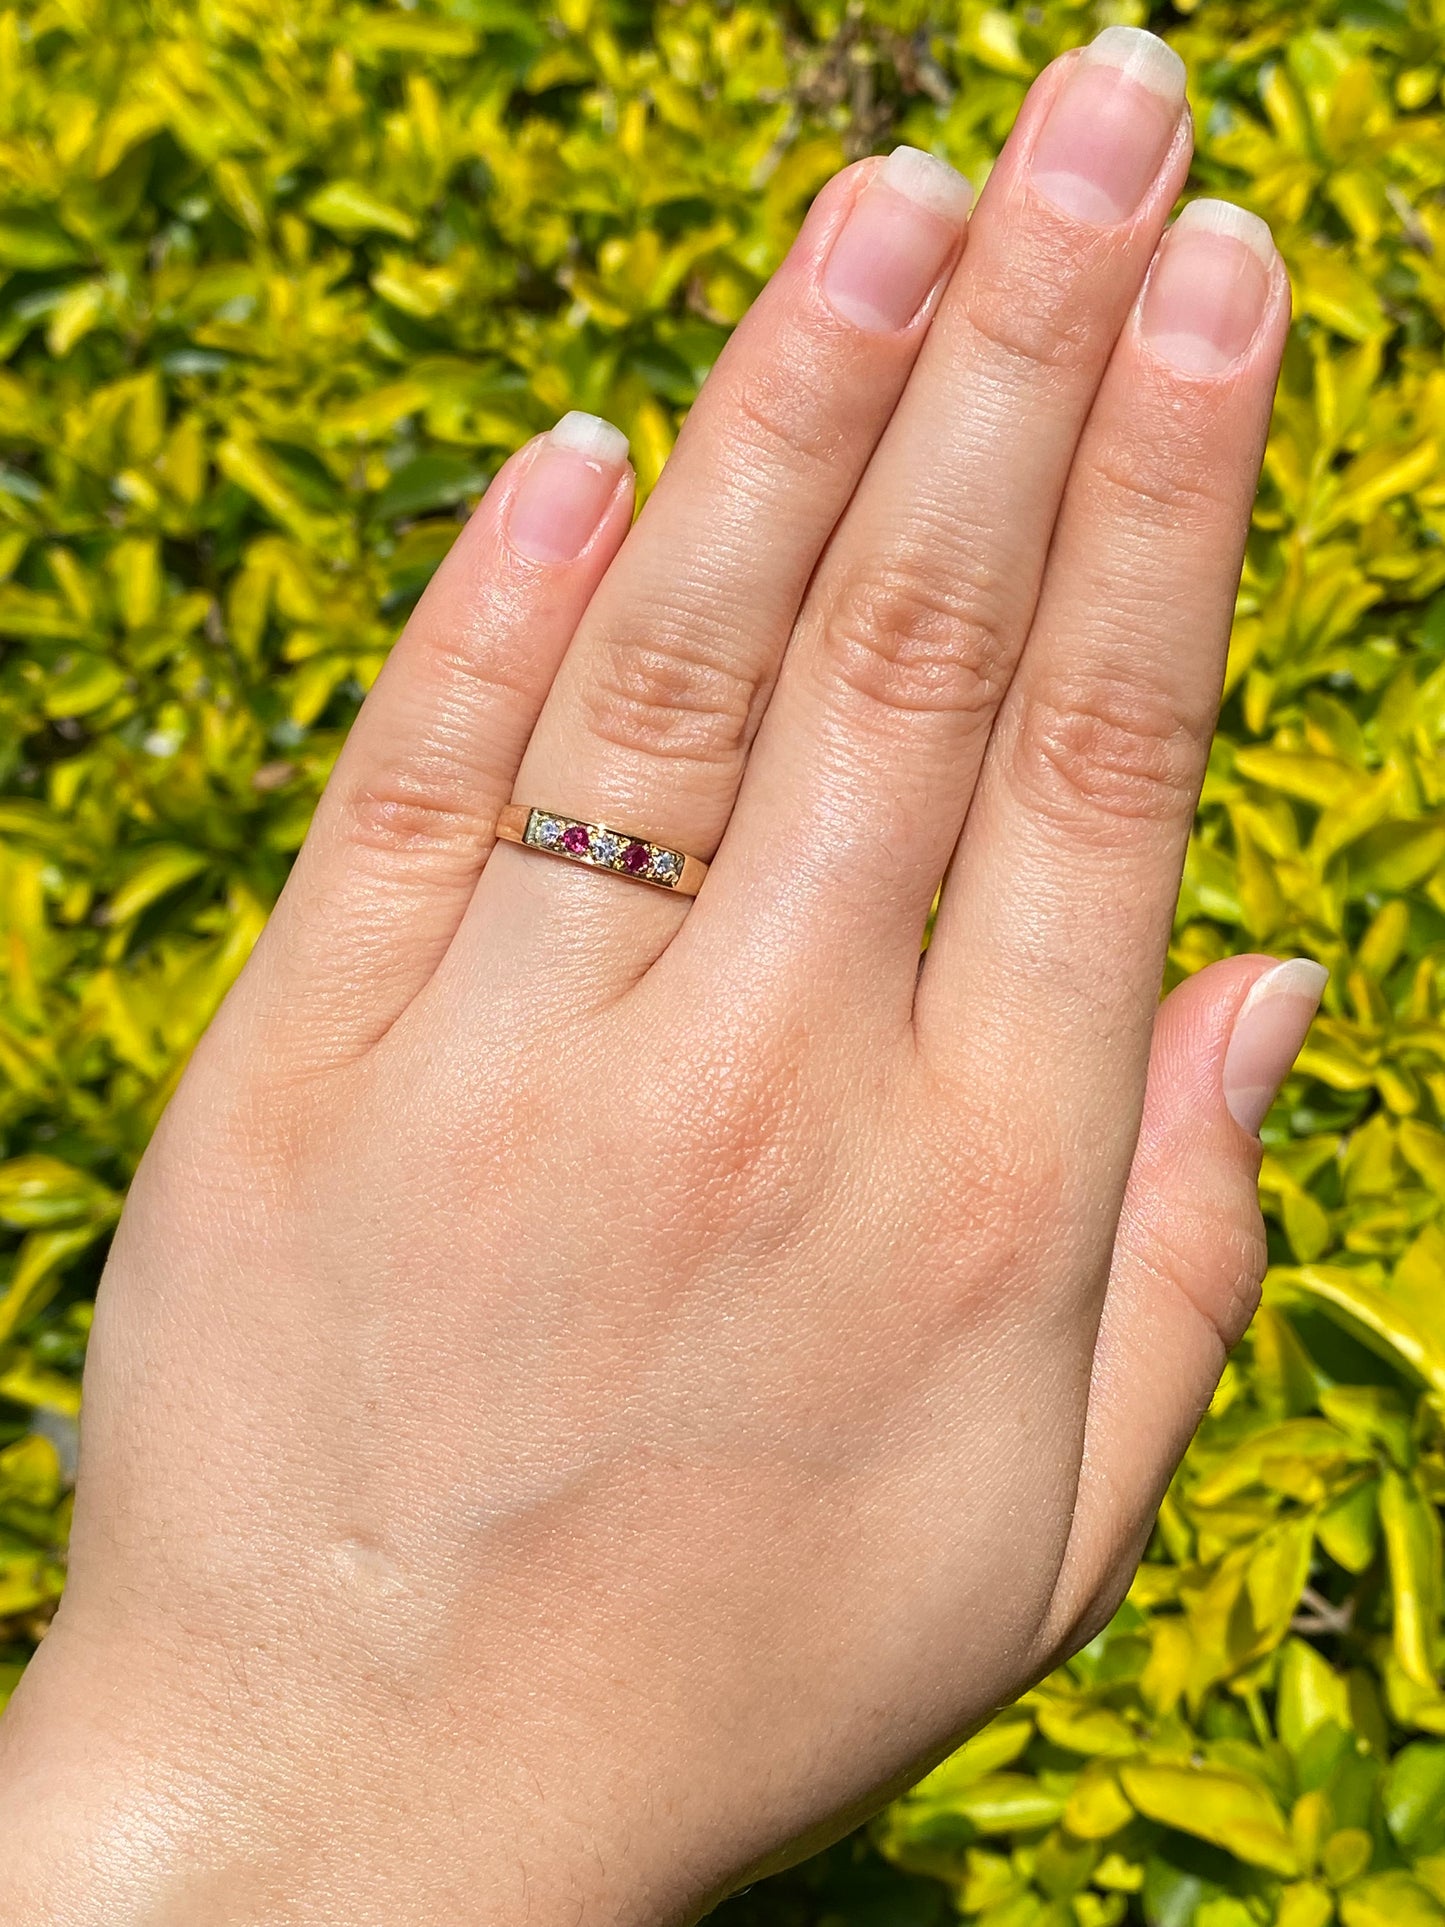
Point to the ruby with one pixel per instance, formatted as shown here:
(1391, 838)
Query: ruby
(635, 858)
(575, 840)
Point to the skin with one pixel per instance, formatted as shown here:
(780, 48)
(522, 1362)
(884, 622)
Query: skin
(590, 1393)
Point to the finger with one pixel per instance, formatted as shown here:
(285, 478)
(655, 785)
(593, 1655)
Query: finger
(1057, 911)
(405, 824)
(1188, 1260)
(654, 711)
(863, 773)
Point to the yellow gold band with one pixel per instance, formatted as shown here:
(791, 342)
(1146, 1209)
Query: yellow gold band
(601, 848)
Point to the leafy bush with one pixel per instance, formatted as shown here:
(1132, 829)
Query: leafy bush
(282, 285)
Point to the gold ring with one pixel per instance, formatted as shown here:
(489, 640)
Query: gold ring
(602, 848)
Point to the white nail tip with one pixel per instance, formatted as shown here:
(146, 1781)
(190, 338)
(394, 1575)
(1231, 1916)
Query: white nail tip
(1300, 977)
(928, 181)
(1236, 223)
(1143, 57)
(589, 435)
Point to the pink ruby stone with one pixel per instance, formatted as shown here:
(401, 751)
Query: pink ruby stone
(575, 841)
(635, 858)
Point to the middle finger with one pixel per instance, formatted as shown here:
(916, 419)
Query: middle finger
(866, 762)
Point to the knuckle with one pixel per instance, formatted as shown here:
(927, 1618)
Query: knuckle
(1219, 1272)
(899, 640)
(495, 675)
(777, 422)
(1160, 481)
(669, 698)
(262, 1127)
(1246, 1260)
(1009, 1186)
(412, 811)
(1210, 1255)
(1109, 749)
(472, 663)
(1029, 318)
(722, 1140)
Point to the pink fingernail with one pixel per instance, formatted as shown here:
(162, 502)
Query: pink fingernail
(1210, 287)
(565, 491)
(1268, 1035)
(896, 242)
(1109, 129)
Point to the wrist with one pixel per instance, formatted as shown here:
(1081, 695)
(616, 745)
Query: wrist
(147, 1823)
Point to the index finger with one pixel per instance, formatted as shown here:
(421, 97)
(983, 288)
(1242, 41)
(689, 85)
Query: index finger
(1056, 915)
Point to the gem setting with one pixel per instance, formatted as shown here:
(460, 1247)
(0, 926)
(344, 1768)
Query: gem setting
(604, 849)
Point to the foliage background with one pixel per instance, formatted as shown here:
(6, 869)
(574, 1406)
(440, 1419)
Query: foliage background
(280, 285)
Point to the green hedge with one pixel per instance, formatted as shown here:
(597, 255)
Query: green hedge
(282, 285)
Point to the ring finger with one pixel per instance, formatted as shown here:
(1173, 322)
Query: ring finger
(650, 720)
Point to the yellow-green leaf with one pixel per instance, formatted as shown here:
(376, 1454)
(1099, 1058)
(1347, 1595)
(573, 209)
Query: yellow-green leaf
(1390, 1900)
(1227, 1809)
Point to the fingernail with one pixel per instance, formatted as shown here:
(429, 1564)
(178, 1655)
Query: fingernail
(1210, 287)
(897, 240)
(1110, 127)
(1268, 1034)
(566, 489)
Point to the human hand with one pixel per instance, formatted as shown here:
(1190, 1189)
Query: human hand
(589, 1392)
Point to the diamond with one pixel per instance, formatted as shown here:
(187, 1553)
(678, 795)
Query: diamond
(545, 831)
(574, 840)
(666, 866)
(606, 848)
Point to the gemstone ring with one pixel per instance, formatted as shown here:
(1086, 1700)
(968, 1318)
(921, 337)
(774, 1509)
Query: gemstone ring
(602, 848)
